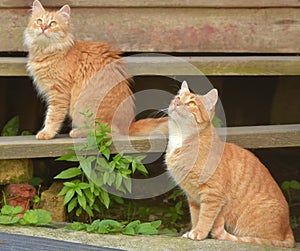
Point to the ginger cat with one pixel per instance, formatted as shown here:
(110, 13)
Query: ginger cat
(231, 193)
(65, 73)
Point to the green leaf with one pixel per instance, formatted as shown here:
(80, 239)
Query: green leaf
(26, 133)
(104, 198)
(106, 152)
(146, 229)
(217, 122)
(78, 191)
(82, 201)
(285, 185)
(36, 217)
(10, 210)
(134, 224)
(89, 195)
(127, 183)
(105, 177)
(295, 184)
(103, 230)
(134, 166)
(142, 169)
(109, 226)
(111, 178)
(72, 204)
(11, 128)
(139, 158)
(8, 219)
(117, 199)
(69, 157)
(119, 180)
(69, 173)
(69, 195)
(156, 223)
(35, 181)
(86, 167)
(78, 211)
(71, 184)
(129, 231)
(117, 157)
(83, 185)
(63, 191)
(76, 226)
(125, 173)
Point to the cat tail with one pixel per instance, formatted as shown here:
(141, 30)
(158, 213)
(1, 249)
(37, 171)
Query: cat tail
(220, 233)
(149, 126)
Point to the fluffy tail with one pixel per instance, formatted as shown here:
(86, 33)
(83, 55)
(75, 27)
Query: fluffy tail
(221, 234)
(149, 126)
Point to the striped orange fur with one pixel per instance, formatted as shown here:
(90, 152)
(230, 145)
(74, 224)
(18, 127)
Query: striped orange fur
(230, 192)
(75, 76)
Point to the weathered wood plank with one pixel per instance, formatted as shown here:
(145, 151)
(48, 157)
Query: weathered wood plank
(248, 137)
(165, 65)
(260, 30)
(155, 3)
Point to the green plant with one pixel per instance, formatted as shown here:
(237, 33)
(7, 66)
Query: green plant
(11, 128)
(175, 213)
(36, 217)
(217, 122)
(291, 190)
(111, 226)
(97, 171)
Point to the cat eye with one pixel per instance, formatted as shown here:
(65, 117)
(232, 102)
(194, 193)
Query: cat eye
(192, 104)
(53, 24)
(39, 21)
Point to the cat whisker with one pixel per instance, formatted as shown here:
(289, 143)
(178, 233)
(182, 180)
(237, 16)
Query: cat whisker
(159, 113)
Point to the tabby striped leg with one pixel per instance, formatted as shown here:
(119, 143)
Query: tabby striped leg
(194, 211)
(208, 213)
(56, 113)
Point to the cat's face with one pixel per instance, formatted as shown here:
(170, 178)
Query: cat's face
(192, 109)
(45, 28)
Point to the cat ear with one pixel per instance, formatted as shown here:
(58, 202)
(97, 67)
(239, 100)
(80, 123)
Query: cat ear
(210, 99)
(184, 87)
(37, 6)
(65, 12)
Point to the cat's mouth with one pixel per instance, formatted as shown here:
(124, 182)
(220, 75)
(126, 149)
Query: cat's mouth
(44, 34)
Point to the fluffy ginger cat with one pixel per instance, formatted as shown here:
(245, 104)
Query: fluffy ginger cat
(230, 192)
(66, 74)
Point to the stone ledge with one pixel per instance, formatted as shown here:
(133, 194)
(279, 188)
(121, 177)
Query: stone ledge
(153, 243)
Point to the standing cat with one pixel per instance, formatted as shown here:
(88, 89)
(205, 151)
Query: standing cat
(66, 74)
(239, 200)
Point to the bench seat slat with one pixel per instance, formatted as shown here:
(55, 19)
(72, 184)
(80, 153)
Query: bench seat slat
(248, 136)
(208, 65)
(176, 29)
(156, 3)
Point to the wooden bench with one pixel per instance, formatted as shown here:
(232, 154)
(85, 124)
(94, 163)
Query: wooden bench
(220, 38)
(247, 136)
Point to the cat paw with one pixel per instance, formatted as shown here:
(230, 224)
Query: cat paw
(44, 134)
(78, 133)
(194, 234)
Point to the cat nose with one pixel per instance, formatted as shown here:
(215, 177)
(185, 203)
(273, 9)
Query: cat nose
(43, 27)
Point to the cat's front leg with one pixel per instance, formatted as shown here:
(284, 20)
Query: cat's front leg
(210, 208)
(56, 113)
(194, 212)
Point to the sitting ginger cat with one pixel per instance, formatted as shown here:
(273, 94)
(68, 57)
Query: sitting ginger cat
(230, 192)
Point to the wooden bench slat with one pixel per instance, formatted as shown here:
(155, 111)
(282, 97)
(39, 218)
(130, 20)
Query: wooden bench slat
(222, 30)
(213, 66)
(156, 3)
(248, 137)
